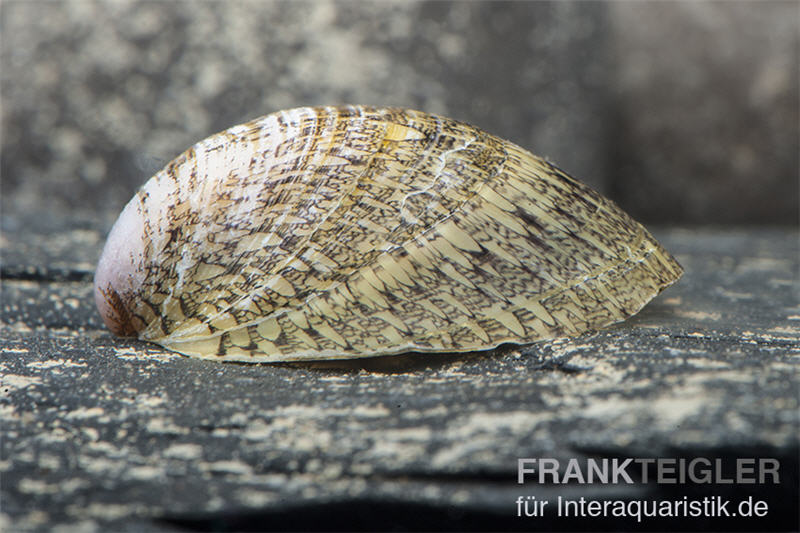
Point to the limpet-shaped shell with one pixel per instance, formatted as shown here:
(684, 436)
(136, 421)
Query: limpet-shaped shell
(344, 232)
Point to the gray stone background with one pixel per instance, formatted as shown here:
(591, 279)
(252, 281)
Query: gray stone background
(683, 112)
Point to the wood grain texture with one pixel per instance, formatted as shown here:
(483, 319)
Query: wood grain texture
(342, 232)
(111, 434)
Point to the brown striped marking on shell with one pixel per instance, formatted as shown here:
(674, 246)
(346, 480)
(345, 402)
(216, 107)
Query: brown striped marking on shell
(345, 232)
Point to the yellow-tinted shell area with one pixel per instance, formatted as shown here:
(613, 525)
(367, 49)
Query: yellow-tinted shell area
(344, 232)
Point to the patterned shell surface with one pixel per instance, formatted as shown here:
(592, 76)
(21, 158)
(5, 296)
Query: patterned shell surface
(343, 232)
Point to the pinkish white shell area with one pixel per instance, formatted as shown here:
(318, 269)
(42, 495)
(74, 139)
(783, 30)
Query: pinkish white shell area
(352, 231)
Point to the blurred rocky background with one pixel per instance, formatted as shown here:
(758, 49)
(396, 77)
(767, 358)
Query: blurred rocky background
(683, 112)
(705, 97)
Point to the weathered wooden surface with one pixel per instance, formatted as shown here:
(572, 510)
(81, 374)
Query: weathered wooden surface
(100, 433)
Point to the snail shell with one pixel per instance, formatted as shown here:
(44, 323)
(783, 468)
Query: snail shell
(344, 232)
